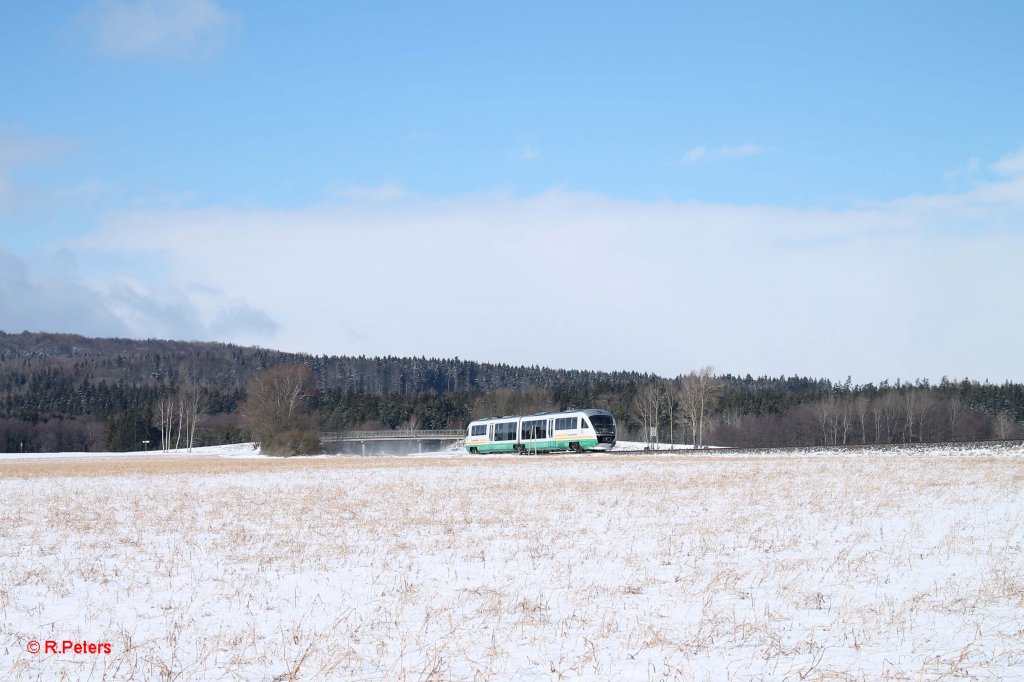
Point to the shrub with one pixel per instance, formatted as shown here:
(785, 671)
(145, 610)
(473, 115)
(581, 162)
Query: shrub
(292, 442)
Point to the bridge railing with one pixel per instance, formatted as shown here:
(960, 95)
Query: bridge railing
(426, 434)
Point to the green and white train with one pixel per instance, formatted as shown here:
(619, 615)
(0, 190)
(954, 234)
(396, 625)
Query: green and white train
(576, 430)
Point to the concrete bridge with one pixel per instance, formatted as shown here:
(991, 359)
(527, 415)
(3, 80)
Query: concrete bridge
(389, 442)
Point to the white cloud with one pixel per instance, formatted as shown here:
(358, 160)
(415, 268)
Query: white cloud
(695, 154)
(920, 287)
(17, 152)
(970, 168)
(526, 153)
(83, 190)
(702, 153)
(38, 303)
(53, 296)
(741, 151)
(157, 28)
(373, 193)
(1011, 164)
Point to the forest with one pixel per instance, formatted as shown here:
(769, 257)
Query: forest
(68, 393)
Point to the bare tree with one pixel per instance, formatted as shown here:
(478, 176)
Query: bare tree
(180, 423)
(917, 403)
(647, 408)
(166, 408)
(955, 407)
(862, 407)
(1003, 425)
(276, 410)
(689, 406)
(193, 406)
(825, 413)
(699, 393)
(844, 416)
(888, 407)
(835, 416)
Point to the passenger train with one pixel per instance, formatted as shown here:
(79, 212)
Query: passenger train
(576, 430)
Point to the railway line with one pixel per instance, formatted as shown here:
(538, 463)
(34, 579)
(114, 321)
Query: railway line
(944, 446)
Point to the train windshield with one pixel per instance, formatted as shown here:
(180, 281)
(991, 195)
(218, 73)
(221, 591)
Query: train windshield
(603, 423)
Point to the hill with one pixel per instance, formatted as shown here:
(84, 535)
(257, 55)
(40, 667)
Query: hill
(64, 392)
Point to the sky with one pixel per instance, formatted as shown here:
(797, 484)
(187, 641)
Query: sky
(819, 189)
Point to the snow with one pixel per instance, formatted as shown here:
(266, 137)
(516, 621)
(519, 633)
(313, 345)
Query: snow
(877, 565)
(231, 450)
(633, 445)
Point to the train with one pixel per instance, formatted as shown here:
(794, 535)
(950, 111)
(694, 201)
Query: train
(573, 430)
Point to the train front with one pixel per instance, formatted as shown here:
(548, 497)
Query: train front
(604, 428)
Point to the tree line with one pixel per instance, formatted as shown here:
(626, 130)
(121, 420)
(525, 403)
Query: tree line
(710, 409)
(67, 393)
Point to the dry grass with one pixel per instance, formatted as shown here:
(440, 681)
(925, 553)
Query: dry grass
(842, 568)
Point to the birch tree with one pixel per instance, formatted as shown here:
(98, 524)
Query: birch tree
(1003, 425)
(193, 406)
(955, 407)
(861, 407)
(825, 413)
(699, 392)
(888, 407)
(166, 409)
(917, 402)
(647, 408)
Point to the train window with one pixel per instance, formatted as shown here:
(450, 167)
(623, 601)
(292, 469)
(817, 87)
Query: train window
(535, 429)
(479, 430)
(584, 424)
(565, 424)
(505, 431)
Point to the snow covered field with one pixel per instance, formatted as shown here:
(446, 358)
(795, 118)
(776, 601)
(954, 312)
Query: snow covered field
(691, 566)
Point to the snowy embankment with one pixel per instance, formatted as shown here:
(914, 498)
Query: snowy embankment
(839, 568)
(1008, 448)
(252, 450)
(232, 450)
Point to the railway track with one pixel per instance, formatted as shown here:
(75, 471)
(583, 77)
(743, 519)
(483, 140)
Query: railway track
(945, 446)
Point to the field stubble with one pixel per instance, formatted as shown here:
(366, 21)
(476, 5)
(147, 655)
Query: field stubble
(802, 568)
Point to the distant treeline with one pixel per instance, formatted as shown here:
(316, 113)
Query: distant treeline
(62, 392)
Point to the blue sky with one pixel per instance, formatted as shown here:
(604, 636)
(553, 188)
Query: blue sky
(695, 164)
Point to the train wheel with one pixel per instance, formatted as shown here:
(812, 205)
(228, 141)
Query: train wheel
(575, 447)
(520, 449)
(472, 451)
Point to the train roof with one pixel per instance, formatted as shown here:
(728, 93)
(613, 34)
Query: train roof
(588, 410)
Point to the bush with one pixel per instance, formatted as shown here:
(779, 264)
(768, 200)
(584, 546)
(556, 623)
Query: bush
(291, 442)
